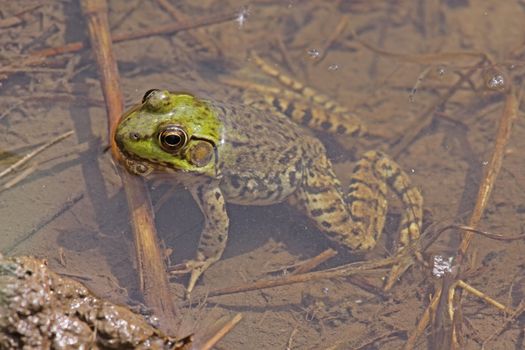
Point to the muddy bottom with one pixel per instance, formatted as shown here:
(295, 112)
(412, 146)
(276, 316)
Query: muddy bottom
(42, 310)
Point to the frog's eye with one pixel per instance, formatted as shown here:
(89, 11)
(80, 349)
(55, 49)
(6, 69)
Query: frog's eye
(148, 94)
(172, 138)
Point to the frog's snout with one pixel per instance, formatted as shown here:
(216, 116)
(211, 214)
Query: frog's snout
(122, 138)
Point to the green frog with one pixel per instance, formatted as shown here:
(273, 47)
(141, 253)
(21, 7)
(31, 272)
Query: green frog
(257, 154)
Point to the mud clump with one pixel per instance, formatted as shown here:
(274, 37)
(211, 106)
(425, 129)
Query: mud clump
(41, 310)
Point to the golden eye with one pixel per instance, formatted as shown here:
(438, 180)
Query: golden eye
(172, 138)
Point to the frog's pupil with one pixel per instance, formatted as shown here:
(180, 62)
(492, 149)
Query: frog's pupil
(172, 140)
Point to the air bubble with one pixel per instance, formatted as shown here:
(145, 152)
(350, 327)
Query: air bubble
(441, 265)
(313, 53)
(242, 16)
(494, 79)
(497, 82)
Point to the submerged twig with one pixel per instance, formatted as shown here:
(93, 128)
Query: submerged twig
(34, 153)
(356, 268)
(182, 18)
(152, 276)
(425, 119)
(20, 177)
(508, 115)
(495, 236)
(285, 56)
(334, 36)
(38, 57)
(484, 297)
(156, 30)
(428, 58)
(310, 264)
(424, 320)
(362, 267)
(225, 329)
(16, 19)
(512, 318)
(290, 339)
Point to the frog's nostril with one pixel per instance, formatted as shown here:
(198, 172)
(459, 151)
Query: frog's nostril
(135, 136)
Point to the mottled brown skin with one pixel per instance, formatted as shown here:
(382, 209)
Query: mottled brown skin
(262, 157)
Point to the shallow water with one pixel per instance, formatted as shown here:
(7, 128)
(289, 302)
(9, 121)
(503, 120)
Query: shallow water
(71, 208)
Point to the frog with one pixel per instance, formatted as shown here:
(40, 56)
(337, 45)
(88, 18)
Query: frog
(261, 153)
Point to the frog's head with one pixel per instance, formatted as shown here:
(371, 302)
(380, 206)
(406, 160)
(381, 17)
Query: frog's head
(169, 132)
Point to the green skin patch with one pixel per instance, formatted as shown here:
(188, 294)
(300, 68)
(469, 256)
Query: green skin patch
(137, 133)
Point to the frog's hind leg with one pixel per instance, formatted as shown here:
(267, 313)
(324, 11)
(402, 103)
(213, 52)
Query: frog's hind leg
(303, 113)
(308, 93)
(375, 170)
(306, 106)
(388, 171)
(356, 219)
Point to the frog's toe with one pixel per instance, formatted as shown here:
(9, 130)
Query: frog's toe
(195, 268)
(179, 269)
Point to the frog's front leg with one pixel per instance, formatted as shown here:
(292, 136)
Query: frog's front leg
(215, 232)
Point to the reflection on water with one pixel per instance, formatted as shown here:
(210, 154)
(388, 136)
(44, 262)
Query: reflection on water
(427, 79)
